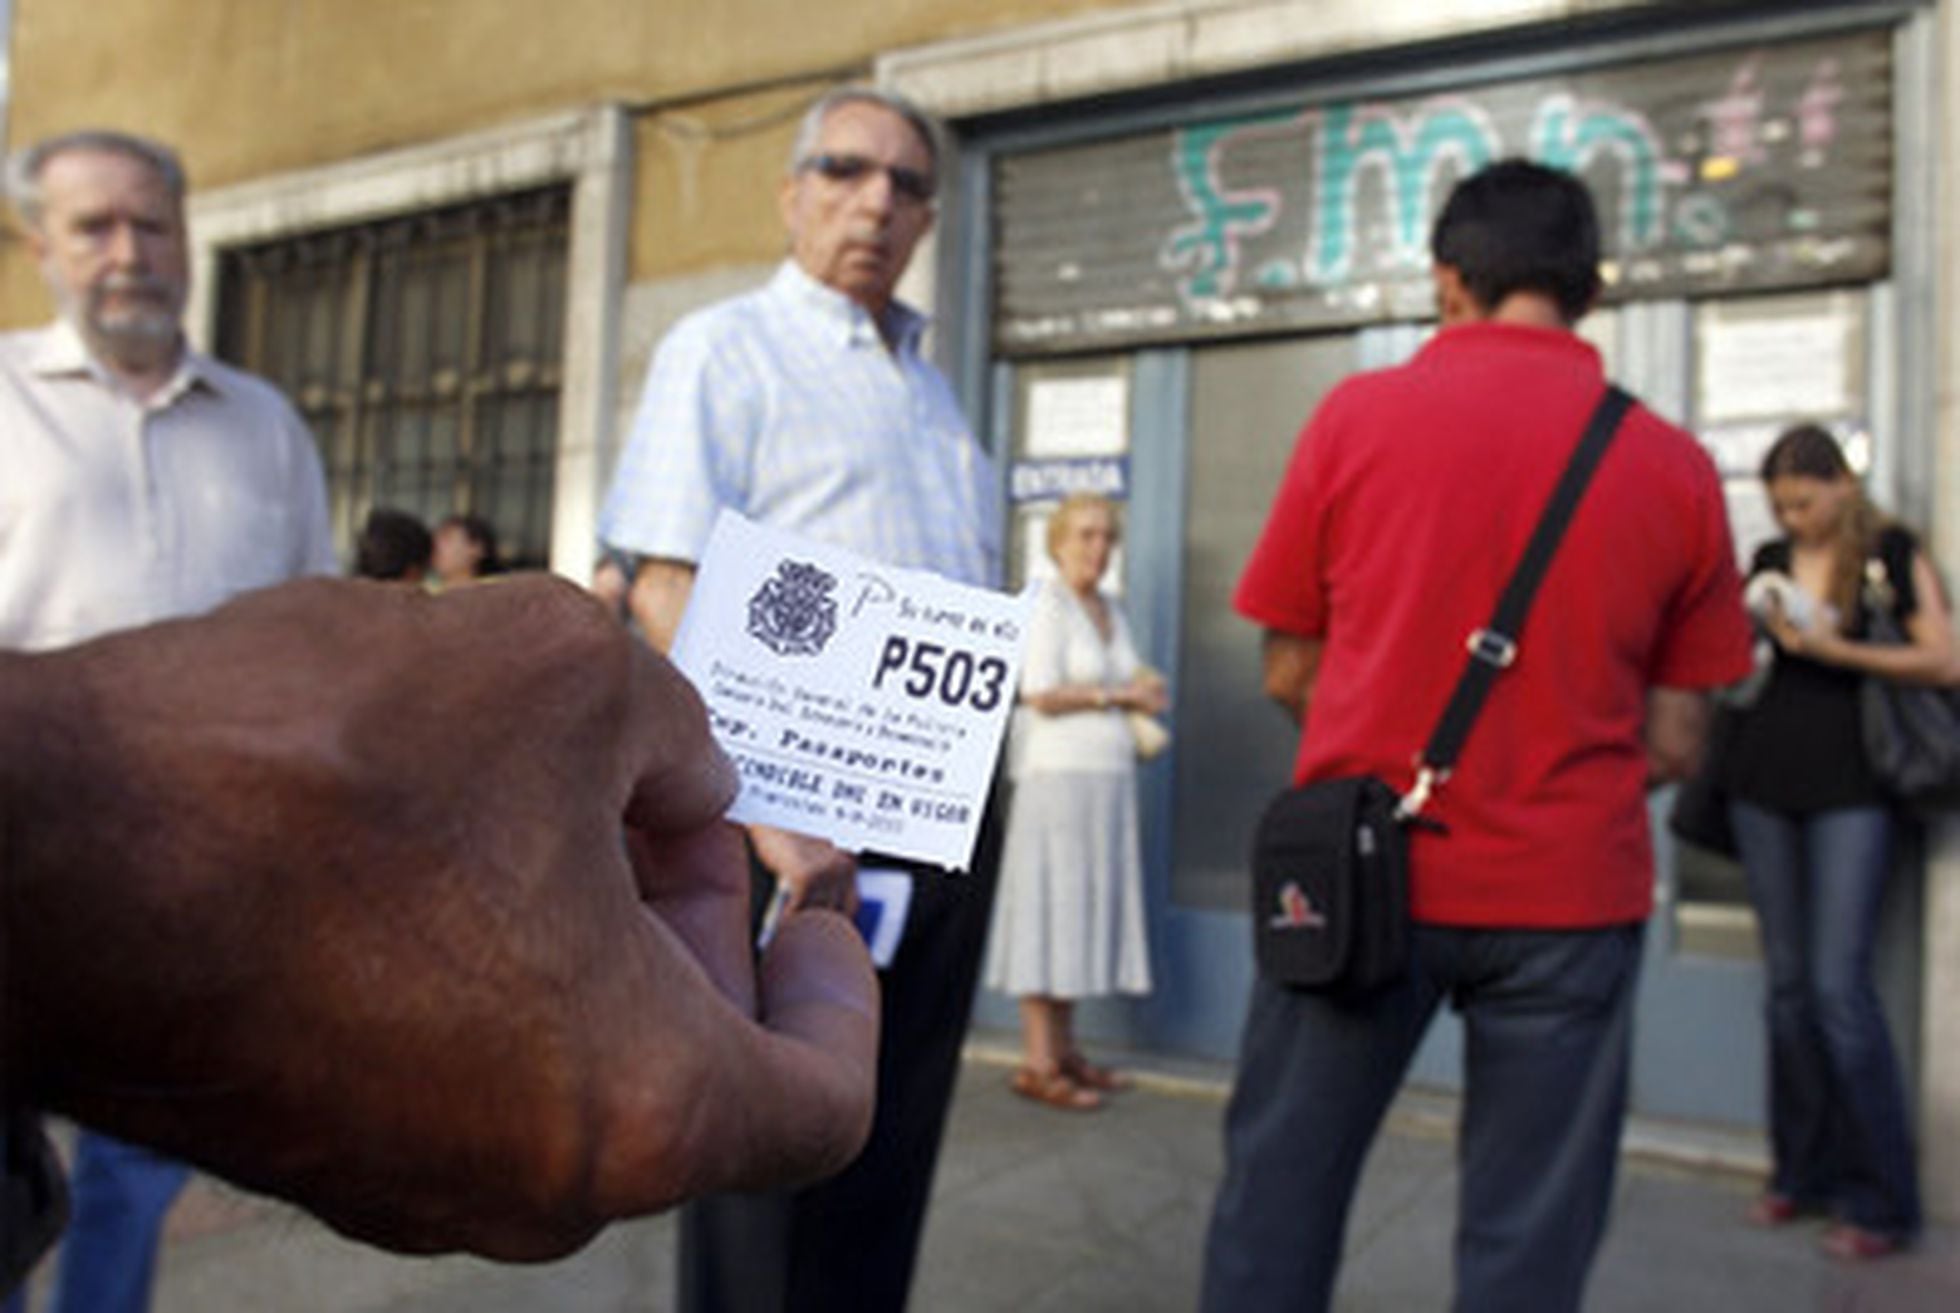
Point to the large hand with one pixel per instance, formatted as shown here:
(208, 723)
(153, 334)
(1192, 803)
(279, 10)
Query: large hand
(330, 894)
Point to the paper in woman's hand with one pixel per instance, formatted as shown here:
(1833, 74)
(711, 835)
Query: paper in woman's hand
(1773, 595)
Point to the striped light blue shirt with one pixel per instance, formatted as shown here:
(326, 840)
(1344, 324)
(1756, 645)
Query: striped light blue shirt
(784, 404)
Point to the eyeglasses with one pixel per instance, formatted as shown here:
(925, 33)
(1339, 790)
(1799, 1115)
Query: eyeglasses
(851, 170)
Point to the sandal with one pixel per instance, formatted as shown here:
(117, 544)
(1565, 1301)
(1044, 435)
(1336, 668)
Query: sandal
(1088, 1075)
(1854, 1244)
(1055, 1089)
(1773, 1209)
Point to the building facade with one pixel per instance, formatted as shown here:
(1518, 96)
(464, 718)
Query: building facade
(454, 232)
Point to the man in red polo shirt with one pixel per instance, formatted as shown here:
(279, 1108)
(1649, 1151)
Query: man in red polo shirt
(1407, 503)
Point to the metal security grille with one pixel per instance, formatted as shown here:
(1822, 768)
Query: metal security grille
(1755, 168)
(425, 353)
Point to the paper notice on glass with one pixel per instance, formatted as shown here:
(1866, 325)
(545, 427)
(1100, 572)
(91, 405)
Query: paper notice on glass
(860, 703)
(1078, 417)
(1775, 368)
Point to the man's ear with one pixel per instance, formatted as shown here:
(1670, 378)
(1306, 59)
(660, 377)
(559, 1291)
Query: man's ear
(786, 203)
(1454, 303)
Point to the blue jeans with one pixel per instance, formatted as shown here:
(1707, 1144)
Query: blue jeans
(1548, 1019)
(1839, 1131)
(120, 1194)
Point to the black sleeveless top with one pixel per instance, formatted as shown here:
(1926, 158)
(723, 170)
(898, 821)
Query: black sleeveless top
(1799, 748)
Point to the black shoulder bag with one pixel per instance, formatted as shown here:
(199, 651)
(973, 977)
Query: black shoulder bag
(1330, 859)
(1911, 731)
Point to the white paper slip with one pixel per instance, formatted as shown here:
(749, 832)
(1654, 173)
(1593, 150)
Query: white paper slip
(861, 703)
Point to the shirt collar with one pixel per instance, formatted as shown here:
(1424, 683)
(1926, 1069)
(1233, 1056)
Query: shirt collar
(853, 323)
(61, 353)
(1486, 332)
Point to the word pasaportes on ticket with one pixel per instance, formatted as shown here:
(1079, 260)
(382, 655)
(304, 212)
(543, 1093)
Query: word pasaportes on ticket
(861, 703)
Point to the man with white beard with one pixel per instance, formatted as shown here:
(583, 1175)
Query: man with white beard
(144, 481)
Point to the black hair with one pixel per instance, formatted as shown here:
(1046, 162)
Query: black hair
(393, 545)
(1516, 226)
(484, 534)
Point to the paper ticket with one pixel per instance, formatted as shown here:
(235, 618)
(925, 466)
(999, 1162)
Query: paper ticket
(860, 703)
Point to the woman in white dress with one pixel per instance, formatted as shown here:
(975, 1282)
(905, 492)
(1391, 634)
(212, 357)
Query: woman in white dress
(1068, 923)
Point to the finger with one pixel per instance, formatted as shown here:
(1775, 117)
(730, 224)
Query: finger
(833, 885)
(698, 886)
(679, 778)
(814, 1094)
(797, 891)
(703, 1099)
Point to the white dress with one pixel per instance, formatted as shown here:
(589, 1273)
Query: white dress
(1068, 921)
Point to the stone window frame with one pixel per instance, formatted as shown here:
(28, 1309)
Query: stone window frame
(590, 150)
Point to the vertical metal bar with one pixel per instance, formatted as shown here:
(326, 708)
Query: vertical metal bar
(476, 250)
(541, 456)
(967, 292)
(356, 275)
(1160, 437)
(384, 428)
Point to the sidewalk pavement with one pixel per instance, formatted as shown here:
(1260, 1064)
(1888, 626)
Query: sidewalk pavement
(1041, 1211)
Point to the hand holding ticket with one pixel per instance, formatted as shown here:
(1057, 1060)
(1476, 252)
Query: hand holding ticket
(860, 703)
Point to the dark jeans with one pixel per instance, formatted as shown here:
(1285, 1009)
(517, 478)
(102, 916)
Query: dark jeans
(1548, 1023)
(1839, 1130)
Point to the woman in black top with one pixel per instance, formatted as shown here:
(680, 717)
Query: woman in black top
(1815, 835)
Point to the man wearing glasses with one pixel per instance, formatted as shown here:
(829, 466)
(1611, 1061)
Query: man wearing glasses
(806, 404)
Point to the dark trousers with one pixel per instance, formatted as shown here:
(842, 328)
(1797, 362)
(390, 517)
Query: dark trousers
(1840, 1133)
(849, 1244)
(1548, 1028)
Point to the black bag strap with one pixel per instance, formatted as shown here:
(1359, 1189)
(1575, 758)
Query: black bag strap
(1494, 647)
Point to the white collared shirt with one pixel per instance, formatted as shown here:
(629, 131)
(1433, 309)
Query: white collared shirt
(785, 405)
(116, 512)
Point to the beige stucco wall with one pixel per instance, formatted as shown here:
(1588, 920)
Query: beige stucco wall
(248, 88)
(704, 195)
(251, 87)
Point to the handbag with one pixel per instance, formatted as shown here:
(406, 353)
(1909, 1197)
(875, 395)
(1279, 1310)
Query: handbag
(1330, 859)
(1330, 872)
(1147, 734)
(1911, 731)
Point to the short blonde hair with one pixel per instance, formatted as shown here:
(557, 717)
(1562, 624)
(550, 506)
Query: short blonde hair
(1073, 505)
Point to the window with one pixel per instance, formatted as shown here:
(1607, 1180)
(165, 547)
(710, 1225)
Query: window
(425, 352)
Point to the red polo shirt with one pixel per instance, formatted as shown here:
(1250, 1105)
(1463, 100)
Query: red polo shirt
(1406, 504)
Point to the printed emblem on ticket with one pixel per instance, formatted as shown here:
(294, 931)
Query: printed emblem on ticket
(861, 703)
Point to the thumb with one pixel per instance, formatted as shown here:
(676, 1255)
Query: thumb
(819, 1002)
